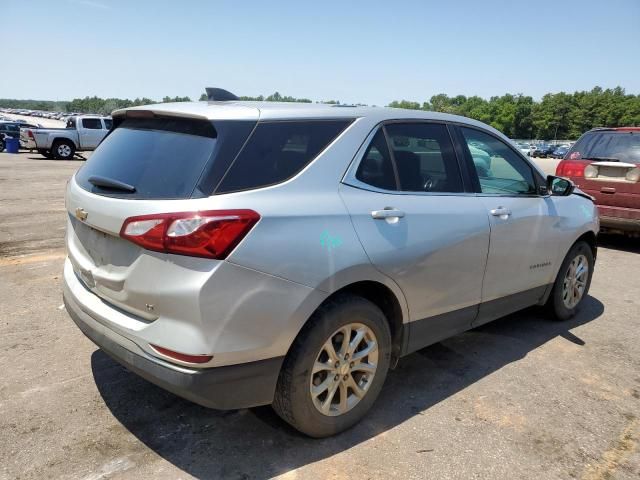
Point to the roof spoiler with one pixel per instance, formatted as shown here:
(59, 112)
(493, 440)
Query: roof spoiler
(219, 95)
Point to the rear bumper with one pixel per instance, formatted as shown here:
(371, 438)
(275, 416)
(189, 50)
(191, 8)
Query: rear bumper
(27, 143)
(619, 218)
(228, 387)
(618, 223)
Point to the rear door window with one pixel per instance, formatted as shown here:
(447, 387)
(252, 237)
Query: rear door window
(424, 157)
(376, 168)
(276, 151)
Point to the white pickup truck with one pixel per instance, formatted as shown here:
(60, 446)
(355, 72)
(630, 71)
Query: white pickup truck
(82, 133)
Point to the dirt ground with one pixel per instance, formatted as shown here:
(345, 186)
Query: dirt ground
(523, 397)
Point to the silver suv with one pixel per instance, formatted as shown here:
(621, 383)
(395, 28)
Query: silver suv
(242, 254)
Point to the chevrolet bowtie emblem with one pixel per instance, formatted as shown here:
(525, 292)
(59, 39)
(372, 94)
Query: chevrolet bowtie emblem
(81, 214)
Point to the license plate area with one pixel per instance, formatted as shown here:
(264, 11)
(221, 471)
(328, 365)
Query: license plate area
(103, 249)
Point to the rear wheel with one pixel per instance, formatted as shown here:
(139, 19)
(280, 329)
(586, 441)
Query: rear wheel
(2, 145)
(63, 150)
(572, 283)
(45, 153)
(335, 368)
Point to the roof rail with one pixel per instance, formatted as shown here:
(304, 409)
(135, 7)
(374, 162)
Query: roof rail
(219, 95)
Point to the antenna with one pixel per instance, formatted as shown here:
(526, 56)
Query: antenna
(219, 95)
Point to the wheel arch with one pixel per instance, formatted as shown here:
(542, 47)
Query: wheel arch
(591, 239)
(63, 139)
(383, 293)
(387, 301)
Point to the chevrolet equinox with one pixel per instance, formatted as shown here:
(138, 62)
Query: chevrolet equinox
(251, 253)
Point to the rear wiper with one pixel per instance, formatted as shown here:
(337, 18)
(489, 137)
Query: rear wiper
(106, 182)
(602, 159)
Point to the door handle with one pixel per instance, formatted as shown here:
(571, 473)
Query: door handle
(501, 212)
(387, 214)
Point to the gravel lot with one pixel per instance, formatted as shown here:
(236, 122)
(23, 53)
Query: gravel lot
(523, 397)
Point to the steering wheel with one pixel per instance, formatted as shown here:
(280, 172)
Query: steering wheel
(429, 183)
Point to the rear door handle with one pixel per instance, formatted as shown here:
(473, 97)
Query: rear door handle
(501, 212)
(387, 213)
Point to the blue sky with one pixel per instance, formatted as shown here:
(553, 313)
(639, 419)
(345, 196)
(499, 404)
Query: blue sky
(353, 51)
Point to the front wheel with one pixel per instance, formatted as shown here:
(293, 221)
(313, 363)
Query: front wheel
(572, 283)
(2, 145)
(336, 367)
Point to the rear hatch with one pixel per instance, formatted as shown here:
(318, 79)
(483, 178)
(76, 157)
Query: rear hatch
(151, 162)
(605, 164)
(162, 189)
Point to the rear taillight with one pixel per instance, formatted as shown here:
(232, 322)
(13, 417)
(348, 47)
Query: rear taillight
(30, 134)
(633, 175)
(571, 168)
(210, 234)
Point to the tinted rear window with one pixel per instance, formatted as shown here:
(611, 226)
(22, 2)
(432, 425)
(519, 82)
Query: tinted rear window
(621, 146)
(276, 151)
(161, 158)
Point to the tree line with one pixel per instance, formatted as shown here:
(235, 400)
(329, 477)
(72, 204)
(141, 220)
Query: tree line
(97, 105)
(556, 116)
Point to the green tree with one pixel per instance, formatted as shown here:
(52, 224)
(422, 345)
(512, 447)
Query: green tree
(406, 104)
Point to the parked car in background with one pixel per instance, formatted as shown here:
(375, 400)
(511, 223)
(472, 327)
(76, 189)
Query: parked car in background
(250, 253)
(82, 133)
(12, 128)
(524, 148)
(559, 152)
(604, 163)
(543, 150)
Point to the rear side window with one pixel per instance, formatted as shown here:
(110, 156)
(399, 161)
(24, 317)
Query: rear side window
(162, 158)
(376, 168)
(276, 151)
(92, 123)
(108, 123)
(621, 146)
(421, 159)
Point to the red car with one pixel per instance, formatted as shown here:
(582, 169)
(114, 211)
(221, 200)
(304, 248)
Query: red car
(604, 163)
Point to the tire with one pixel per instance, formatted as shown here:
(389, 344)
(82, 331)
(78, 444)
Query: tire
(560, 304)
(294, 401)
(45, 153)
(2, 145)
(63, 150)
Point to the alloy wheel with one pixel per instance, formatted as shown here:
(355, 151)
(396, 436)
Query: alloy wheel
(344, 369)
(64, 150)
(575, 281)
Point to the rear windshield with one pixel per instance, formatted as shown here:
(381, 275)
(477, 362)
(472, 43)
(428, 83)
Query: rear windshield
(618, 146)
(277, 151)
(161, 158)
(164, 158)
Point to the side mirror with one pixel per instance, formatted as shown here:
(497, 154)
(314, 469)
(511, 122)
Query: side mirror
(560, 187)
